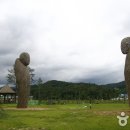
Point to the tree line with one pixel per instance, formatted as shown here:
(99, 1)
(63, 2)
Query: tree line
(59, 90)
(73, 91)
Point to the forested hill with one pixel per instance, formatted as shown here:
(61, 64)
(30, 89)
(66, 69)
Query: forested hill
(56, 83)
(120, 84)
(70, 91)
(63, 83)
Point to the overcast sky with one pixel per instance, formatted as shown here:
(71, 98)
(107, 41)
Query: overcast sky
(68, 40)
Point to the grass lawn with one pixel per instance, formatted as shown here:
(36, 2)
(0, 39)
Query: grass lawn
(64, 117)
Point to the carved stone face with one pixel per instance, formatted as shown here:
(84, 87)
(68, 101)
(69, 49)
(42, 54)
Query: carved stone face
(25, 58)
(125, 45)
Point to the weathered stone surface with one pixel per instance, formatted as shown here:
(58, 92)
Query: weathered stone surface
(125, 48)
(25, 58)
(22, 79)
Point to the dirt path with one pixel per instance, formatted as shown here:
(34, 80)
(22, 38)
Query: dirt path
(127, 112)
(25, 109)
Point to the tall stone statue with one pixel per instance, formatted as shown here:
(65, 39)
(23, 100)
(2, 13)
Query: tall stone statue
(22, 79)
(125, 48)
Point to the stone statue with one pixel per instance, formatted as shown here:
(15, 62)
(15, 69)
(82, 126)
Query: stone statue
(125, 48)
(22, 79)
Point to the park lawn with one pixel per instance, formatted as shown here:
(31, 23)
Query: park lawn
(65, 117)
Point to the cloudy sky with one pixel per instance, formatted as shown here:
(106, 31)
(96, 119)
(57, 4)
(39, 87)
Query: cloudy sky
(68, 40)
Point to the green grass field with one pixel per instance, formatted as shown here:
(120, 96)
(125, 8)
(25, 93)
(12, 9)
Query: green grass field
(64, 117)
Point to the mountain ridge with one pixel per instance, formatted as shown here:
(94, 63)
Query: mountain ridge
(118, 84)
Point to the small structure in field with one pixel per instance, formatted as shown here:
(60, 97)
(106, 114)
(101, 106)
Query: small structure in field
(7, 95)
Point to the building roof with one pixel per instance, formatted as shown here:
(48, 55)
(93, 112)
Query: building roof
(6, 89)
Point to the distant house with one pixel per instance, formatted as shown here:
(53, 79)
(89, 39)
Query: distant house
(121, 97)
(7, 95)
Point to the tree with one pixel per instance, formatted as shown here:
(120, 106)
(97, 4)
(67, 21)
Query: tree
(32, 75)
(11, 76)
(39, 84)
(12, 79)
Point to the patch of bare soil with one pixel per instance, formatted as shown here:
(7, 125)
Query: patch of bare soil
(127, 112)
(24, 109)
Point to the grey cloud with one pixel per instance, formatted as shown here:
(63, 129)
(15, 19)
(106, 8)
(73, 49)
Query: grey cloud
(124, 29)
(15, 34)
(66, 73)
(102, 76)
(53, 72)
